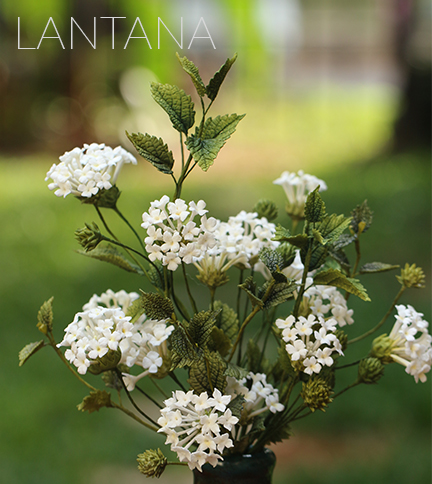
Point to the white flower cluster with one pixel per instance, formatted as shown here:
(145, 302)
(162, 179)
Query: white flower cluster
(239, 241)
(172, 235)
(259, 396)
(411, 342)
(93, 333)
(310, 341)
(85, 171)
(327, 300)
(198, 421)
(98, 329)
(297, 187)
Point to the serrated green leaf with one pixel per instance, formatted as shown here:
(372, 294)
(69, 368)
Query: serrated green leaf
(190, 68)
(95, 401)
(183, 351)
(318, 237)
(314, 207)
(227, 320)
(332, 277)
(362, 217)
(216, 132)
(154, 150)
(216, 81)
(249, 286)
(373, 267)
(280, 293)
(219, 341)
(236, 405)
(283, 235)
(340, 257)
(272, 259)
(113, 256)
(343, 241)
(284, 361)
(318, 256)
(29, 350)
(45, 317)
(176, 103)
(208, 373)
(332, 227)
(135, 310)
(236, 371)
(156, 306)
(201, 326)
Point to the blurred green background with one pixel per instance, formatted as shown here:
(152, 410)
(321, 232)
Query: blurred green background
(338, 89)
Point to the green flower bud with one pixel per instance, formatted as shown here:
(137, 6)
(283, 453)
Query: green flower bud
(342, 337)
(103, 198)
(212, 277)
(109, 361)
(412, 276)
(382, 348)
(267, 209)
(370, 370)
(316, 394)
(89, 237)
(152, 463)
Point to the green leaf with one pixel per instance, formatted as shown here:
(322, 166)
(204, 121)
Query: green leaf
(156, 306)
(227, 320)
(45, 317)
(314, 207)
(362, 217)
(284, 361)
(201, 326)
(332, 277)
(318, 256)
(216, 132)
(29, 350)
(154, 150)
(219, 341)
(279, 294)
(208, 373)
(373, 267)
(236, 371)
(183, 351)
(272, 259)
(343, 241)
(216, 81)
(236, 405)
(95, 401)
(249, 286)
(332, 226)
(176, 103)
(113, 256)
(192, 70)
(283, 235)
(340, 257)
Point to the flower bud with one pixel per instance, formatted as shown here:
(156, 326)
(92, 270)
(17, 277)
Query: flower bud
(381, 348)
(89, 237)
(342, 337)
(412, 276)
(108, 362)
(370, 370)
(316, 394)
(267, 209)
(152, 463)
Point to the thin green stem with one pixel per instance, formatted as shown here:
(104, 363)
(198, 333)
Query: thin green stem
(135, 417)
(182, 153)
(191, 299)
(148, 396)
(132, 401)
(347, 388)
(348, 365)
(117, 211)
(173, 376)
(177, 301)
(159, 388)
(383, 320)
(66, 362)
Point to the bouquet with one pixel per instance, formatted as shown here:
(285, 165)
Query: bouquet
(242, 370)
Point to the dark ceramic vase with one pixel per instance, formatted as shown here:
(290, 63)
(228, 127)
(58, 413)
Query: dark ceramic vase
(239, 469)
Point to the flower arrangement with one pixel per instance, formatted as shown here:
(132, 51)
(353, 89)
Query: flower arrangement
(232, 392)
